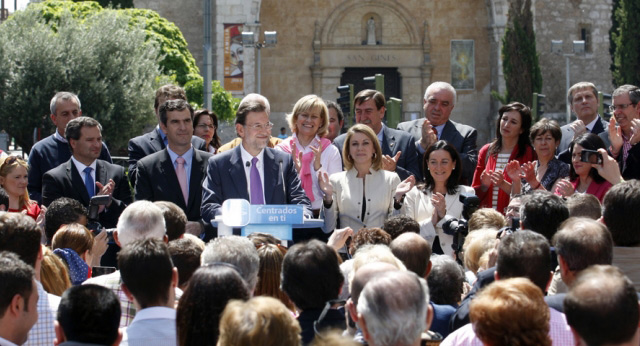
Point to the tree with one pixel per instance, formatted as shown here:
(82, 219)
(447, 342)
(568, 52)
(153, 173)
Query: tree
(222, 102)
(519, 56)
(624, 41)
(107, 61)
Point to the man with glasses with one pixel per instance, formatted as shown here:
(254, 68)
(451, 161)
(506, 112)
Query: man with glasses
(252, 171)
(621, 140)
(583, 98)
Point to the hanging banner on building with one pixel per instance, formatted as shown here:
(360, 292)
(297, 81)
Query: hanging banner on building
(463, 69)
(233, 58)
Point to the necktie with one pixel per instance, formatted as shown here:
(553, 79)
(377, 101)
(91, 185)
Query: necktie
(88, 182)
(257, 197)
(182, 179)
(435, 130)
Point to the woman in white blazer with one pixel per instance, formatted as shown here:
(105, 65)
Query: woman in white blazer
(363, 195)
(437, 200)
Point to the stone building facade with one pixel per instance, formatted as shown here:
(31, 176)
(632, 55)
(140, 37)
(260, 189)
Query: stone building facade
(325, 44)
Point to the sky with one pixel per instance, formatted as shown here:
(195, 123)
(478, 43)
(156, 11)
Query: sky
(22, 4)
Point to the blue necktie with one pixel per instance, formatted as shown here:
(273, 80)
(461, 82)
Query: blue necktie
(88, 182)
(257, 197)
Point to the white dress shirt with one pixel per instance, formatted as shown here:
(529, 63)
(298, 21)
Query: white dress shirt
(152, 326)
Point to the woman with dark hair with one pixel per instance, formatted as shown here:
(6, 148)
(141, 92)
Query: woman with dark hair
(547, 170)
(200, 308)
(490, 180)
(438, 199)
(271, 257)
(583, 176)
(205, 126)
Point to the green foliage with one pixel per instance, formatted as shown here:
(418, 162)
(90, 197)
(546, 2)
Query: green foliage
(223, 104)
(109, 63)
(624, 38)
(113, 3)
(519, 56)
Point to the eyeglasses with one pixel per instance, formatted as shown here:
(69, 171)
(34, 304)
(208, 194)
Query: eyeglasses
(622, 106)
(260, 127)
(317, 323)
(205, 126)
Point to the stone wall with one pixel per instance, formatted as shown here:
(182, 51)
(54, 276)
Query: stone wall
(563, 20)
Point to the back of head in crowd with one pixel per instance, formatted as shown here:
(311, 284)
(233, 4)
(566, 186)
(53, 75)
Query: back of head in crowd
(476, 249)
(210, 288)
(584, 205)
(141, 219)
(580, 243)
(89, 314)
(63, 211)
(400, 224)
(259, 321)
(311, 275)
(271, 258)
(620, 203)
(54, 274)
(18, 298)
(393, 309)
(174, 219)
(511, 312)
(20, 234)
(525, 254)
(238, 251)
(446, 280)
(602, 307)
(486, 218)
(369, 236)
(76, 237)
(185, 255)
(414, 252)
(543, 212)
(147, 273)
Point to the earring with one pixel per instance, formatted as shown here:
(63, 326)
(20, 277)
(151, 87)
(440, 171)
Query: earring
(374, 156)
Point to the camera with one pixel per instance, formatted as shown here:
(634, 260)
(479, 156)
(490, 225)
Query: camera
(94, 206)
(459, 228)
(591, 156)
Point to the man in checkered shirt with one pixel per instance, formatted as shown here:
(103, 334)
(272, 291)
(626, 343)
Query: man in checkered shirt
(141, 219)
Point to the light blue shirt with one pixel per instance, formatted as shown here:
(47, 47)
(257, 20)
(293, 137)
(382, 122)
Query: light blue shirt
(163, 136)
(188, 158)
(152, 326)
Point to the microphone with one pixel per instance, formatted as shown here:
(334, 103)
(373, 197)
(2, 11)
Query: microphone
(247, 164)
(284, 188)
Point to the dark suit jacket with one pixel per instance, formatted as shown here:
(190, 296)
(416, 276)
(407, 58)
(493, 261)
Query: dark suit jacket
(149, 143)
(226, 179)
(157, 181)
(462, 137)
(65, 181)
(47, 154)
(567, 136)
(632, 169)
(392, 142)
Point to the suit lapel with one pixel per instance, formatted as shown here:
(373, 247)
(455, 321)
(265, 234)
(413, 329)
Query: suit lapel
(76, 182)
(156, 140)
(198, 167)
(270, 170)
(238, 176)
(170, 178)
(388, 142)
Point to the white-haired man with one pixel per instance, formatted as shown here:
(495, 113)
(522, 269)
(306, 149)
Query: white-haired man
(141, 219)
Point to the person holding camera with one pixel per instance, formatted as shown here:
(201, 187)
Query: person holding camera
(438, 199)
(583, 175)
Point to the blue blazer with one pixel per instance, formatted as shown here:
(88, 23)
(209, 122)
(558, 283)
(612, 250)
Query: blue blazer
(226, 179)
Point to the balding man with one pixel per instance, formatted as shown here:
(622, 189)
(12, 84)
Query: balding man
(439, 100)
(602, 308)
(393, 309)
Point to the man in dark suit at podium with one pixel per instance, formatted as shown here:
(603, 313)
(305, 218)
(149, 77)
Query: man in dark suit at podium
(175, 174)
(156, 140)
(252, 171)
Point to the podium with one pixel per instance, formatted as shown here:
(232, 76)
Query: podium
(278, 220)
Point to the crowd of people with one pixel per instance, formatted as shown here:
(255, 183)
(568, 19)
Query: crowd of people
(529, 240)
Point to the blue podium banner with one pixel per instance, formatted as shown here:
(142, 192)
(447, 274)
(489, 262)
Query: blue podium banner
(276, 214)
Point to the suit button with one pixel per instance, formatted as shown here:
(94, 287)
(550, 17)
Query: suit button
(369, 200)
(367, 213)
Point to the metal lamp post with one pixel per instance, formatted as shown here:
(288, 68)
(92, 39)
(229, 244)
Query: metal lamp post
(578, 49)
(270, 40)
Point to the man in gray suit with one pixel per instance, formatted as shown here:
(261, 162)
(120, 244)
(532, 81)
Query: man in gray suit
(439, 100)
(583, 98)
